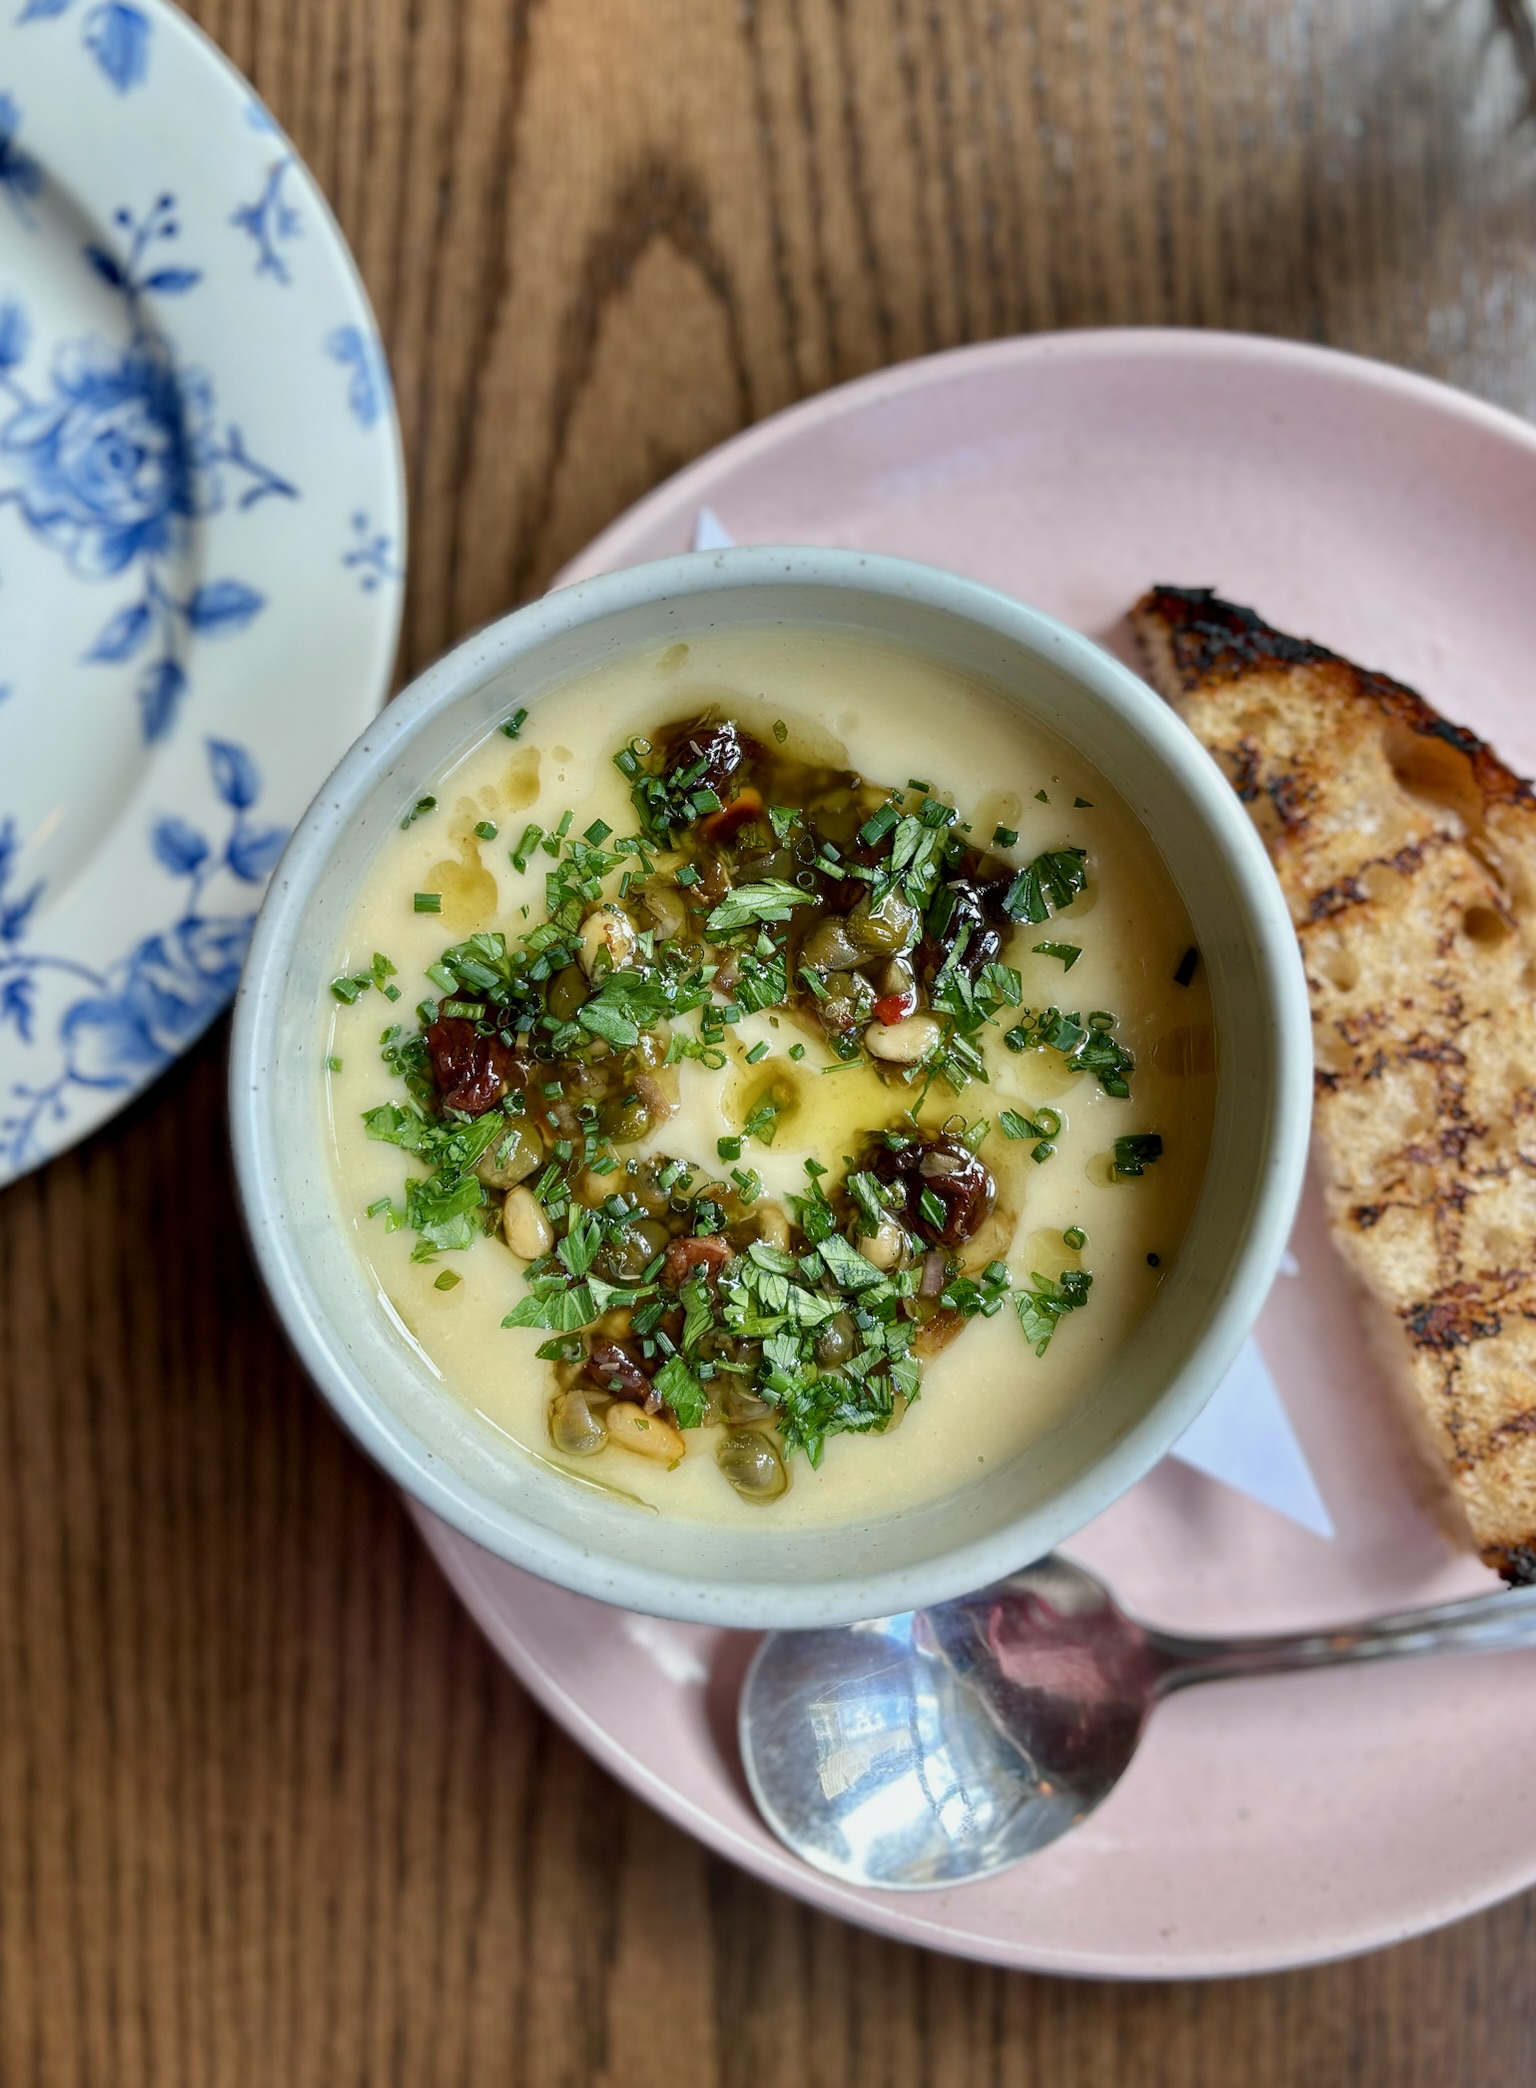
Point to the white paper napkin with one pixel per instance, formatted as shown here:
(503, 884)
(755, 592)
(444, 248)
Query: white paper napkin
(1243, 1438)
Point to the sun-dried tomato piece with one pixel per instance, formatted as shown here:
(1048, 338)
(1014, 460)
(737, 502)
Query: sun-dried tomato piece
(722, 747)
(962, 1184)
(614, 1367)
(730, 819)
(709, 1253)
(473, 1071)
(978, 916)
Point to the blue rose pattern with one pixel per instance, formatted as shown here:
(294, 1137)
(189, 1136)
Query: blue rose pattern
(116, 35)
(122, 454)
(129, 1022)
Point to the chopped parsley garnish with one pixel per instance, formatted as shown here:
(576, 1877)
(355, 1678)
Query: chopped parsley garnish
(1045, 1301)
(538, 1069)
(422, 806)
(515, 724)
(1053, 880)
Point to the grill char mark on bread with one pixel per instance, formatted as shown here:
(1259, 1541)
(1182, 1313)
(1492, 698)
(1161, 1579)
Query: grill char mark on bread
(1407, 853)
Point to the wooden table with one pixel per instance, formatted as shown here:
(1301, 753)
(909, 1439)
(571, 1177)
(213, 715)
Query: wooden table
(270, 1813)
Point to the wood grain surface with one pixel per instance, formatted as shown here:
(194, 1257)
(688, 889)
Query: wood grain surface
(269, 1812)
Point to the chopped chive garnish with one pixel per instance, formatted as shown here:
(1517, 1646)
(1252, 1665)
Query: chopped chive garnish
(728, 1148)
(759, 1050)
(351, 986)
(1082, 804)
(486, 829)
(379, 1204)
(598, 832)
(797, 1052)
(422, 806)
(1003, 837)
(1041, 797)
(1135, 1153)
(427, 902)
(333, 1064)
(913, 783)
(1186, 966)
(446, 1281)
(1074, 1237)
(687, 876)
(780, 731)
(515, 724)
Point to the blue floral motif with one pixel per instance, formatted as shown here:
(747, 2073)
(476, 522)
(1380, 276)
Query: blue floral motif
(116, 35)
(131, 1020)
(368, 388)
(270, 220)
(21, 178)
(121, 456)
(372, 556)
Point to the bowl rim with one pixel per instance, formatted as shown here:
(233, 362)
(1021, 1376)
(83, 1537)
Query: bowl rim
(695, 1597)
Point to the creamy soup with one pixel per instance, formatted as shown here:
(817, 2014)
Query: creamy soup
(771, 1077)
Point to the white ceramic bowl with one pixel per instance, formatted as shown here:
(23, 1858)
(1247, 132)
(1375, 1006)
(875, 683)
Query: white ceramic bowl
(758, 1577)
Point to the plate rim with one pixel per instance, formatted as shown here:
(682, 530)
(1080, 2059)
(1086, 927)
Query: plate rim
(97, 1106)
(692, 486)
(894, 1915)
(917, 373)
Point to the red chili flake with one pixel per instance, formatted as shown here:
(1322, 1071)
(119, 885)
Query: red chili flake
(895, 1007)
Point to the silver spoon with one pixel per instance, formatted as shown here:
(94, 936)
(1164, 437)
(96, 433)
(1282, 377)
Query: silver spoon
(944, 1744)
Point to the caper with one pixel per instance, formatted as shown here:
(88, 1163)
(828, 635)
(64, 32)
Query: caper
(573, 1427)
(836, 1341)
(625, 1257)
(568, 990)
(836, 816)
(625, 1119)
(751, 1461)
(830, 947)
(648, 1193)
(653, 1235)
(518, 1153)
(738, 1405)
(885, 929)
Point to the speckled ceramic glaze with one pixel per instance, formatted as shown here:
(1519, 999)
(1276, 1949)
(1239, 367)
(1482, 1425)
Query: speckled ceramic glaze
(1269, 1823)
(750, 1572)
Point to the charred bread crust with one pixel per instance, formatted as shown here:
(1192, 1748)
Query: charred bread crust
(1406, 850)
(1209, 639)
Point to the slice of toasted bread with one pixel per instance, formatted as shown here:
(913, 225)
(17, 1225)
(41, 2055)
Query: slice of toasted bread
(1407, 853)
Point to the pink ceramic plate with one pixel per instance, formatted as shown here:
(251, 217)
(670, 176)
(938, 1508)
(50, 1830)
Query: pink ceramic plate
(1264, 1824)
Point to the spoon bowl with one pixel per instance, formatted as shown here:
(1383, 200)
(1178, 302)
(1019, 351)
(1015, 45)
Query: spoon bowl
(945, 1744)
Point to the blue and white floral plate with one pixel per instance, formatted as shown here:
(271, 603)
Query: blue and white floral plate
(201, 540)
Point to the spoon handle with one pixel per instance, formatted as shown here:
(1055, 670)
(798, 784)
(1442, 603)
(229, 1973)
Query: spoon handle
(1499, 1622)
